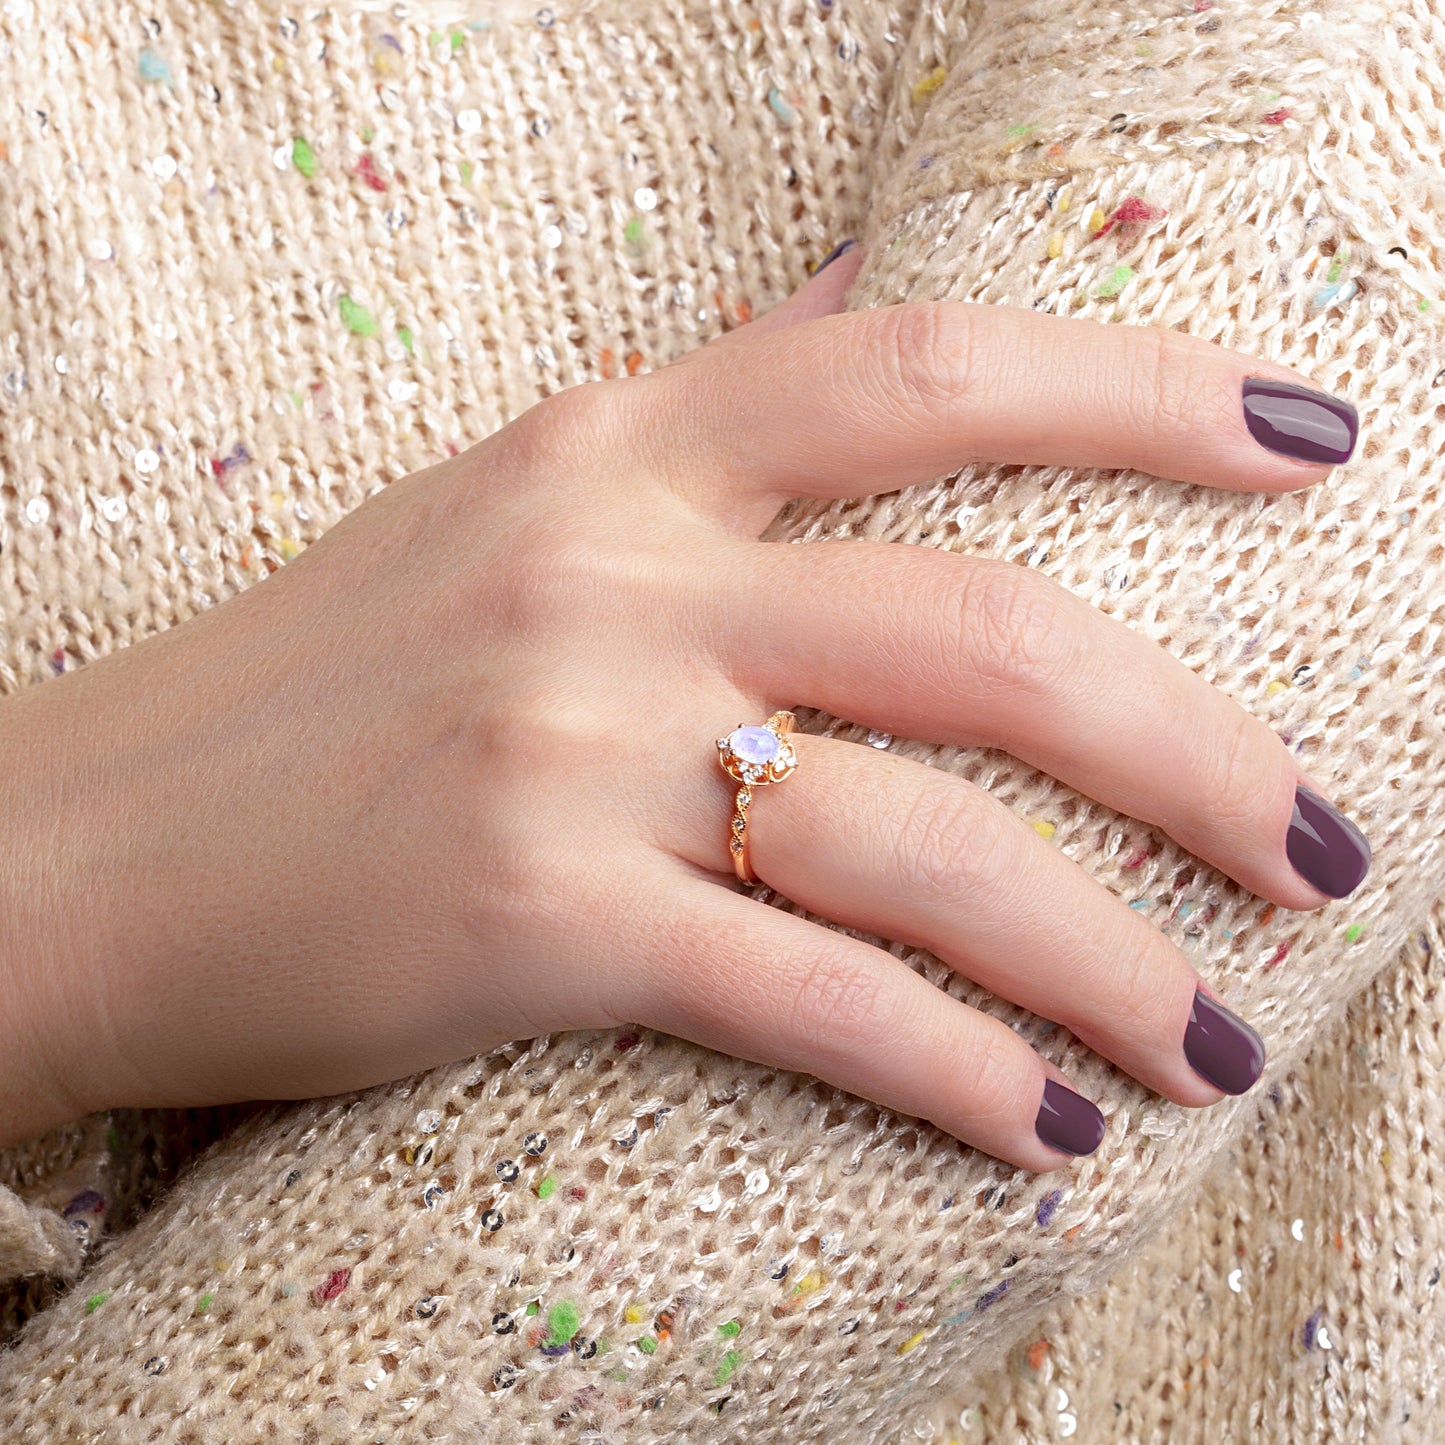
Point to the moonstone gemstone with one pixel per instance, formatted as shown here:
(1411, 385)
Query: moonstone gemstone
(754, 745)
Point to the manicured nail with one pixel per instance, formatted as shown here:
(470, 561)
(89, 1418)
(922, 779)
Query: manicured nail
(842, 248)
(1068, 1121)
(1221, 1048)
(1311, 426)
(1325, 848)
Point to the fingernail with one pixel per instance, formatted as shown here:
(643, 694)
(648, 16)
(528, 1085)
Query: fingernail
(1327, 850)
(1311, 426)
(1068, 1121)
(840, 249)
(1221, 1048)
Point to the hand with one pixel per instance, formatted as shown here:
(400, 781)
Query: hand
(449, 778)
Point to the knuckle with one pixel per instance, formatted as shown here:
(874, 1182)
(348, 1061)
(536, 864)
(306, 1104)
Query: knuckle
(1138, 989)
(1170, 384)
(1235, 785)
(1010, 626)
(941, 843)
(578, 422)
(544, 583)
(988, 1077)
(546, 730)
(834, 1006)
(924, 351)
(567, 579)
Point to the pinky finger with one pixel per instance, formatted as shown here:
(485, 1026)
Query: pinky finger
(739, 976)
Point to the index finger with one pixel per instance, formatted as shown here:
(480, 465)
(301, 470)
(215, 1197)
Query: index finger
(868, 401)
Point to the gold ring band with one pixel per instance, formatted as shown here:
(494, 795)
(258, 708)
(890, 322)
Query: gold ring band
(754, 755)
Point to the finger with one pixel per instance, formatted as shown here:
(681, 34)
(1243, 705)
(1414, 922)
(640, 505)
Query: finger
(735, 975)
(884, 844)
(821, 295)
(974, 650)
(871, 400)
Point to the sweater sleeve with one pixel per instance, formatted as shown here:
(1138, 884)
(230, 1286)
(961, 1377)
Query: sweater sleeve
(620, 1231)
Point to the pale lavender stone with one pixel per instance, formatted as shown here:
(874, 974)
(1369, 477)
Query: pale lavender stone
(754, 745)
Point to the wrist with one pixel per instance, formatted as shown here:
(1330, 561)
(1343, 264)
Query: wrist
(53, 1053)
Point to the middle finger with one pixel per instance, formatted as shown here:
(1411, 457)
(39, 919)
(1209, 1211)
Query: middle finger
(974, 650)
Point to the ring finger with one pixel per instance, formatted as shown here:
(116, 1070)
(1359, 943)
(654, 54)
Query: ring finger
(894, 848)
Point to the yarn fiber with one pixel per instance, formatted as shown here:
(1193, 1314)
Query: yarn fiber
(261, 264)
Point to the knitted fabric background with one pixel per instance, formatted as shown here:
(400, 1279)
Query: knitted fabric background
(261, 263)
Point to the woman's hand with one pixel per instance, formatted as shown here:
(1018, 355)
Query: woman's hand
(450, 778)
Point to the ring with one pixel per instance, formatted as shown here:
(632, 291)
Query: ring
(754, 756)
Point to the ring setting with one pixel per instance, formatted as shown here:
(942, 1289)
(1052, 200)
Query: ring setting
(754, 756)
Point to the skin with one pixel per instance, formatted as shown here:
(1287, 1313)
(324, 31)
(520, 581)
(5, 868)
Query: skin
(449, 779)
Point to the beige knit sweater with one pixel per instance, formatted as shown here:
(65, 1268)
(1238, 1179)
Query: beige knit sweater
(256, 264)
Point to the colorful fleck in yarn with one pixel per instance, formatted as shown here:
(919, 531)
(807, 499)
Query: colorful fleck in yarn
(1134, 209)
(154, 67)
(1046, 1208)
(335, 1282)
(303, 157)
(366, 169)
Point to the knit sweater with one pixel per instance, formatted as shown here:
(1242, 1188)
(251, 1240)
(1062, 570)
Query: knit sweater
(260, 264)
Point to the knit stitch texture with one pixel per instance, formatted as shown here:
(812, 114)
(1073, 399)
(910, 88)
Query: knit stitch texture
(260, 264)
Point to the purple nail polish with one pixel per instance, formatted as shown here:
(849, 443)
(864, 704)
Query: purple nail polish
(1068, 1121)
(1311, 426)
(841, 249)
(1327, 850)
(1221, 1048)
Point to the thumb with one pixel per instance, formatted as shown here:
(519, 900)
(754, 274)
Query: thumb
(821, 295)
